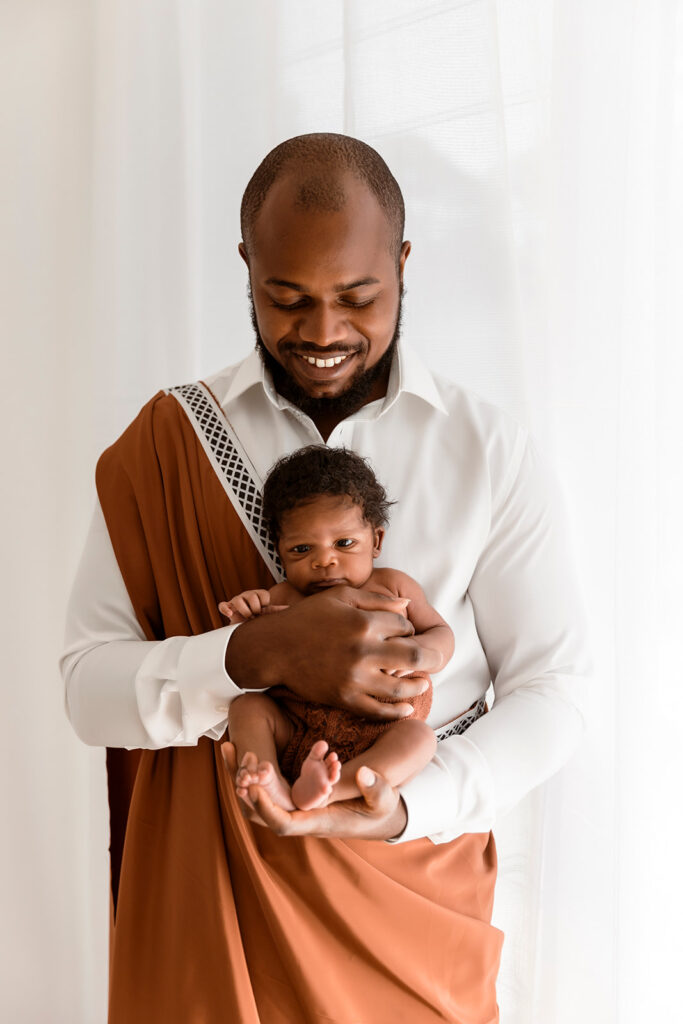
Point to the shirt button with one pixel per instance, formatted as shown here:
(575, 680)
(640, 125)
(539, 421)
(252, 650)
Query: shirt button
(222, 707)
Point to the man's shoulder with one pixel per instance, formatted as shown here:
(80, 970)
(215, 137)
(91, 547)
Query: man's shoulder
(221, 380)
(482, 432)
(465, 404)
(161, 410)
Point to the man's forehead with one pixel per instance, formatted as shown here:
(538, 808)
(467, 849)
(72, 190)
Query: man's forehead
(284, 217)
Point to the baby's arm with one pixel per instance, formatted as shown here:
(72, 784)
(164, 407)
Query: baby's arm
(432, 633)
(254, 602)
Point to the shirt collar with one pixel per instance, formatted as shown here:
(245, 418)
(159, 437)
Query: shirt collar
(408, 373)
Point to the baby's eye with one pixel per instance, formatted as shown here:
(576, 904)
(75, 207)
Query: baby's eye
(301, 549)
(345, 542)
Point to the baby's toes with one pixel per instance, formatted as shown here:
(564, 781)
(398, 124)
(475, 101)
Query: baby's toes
(264, 773)
(318, 750)
(333, 768)
(249, 762)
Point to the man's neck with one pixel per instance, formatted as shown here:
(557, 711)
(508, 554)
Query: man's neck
(326, 422)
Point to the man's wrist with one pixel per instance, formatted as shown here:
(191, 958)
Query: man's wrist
(244, 661)
(402, 821)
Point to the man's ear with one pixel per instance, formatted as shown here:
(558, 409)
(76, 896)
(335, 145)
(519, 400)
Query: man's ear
(242, 250)
(378, 538)
(405, 253)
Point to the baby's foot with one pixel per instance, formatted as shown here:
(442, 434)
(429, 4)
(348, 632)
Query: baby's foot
(262, 773)
(318, 775)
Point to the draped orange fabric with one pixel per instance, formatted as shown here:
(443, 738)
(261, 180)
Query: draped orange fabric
(218, 919)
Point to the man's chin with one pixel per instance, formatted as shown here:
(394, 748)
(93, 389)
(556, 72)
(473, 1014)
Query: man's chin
(356, 393)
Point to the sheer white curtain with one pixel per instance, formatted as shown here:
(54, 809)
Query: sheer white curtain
(540, 149)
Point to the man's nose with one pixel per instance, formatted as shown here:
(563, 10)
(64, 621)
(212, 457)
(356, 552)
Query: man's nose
(322, 325)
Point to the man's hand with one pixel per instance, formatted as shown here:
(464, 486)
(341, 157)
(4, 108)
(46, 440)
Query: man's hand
(339, 647)
(379, 814)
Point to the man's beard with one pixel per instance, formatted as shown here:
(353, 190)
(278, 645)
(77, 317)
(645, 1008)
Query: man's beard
(358, 390)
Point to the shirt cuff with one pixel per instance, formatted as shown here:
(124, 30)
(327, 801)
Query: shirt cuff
(183, 690)
(204, 685)
(453, 795)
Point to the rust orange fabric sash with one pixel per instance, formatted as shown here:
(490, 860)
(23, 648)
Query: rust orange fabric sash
(218, 919)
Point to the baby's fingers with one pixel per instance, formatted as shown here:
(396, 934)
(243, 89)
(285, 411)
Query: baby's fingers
(256, 600)
(240, 605)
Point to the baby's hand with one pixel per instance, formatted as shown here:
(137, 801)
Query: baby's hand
(248, 604)
(245, 605)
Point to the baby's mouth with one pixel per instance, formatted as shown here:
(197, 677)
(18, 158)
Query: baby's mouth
(326, 584)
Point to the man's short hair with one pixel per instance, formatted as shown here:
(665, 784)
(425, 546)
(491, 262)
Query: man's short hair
(319, 159)
(318, 471)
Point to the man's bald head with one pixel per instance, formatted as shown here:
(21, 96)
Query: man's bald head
(317, 165)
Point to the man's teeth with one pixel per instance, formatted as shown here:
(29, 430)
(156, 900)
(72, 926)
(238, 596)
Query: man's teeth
(324, 362)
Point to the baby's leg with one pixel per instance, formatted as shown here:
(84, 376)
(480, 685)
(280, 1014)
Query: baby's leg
(398, 755)
(260, 730)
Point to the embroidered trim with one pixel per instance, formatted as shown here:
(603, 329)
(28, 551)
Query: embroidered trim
(234, 469)
(463, 722)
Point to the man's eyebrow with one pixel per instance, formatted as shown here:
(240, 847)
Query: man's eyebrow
(293, 286)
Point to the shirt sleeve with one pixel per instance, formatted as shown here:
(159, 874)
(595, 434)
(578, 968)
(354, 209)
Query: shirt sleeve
(122, 690)
(532, 627)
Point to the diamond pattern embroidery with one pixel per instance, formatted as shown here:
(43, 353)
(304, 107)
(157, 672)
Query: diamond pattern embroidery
(230, 463)
(459, 726)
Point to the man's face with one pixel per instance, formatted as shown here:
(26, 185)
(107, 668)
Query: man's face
(326, 298)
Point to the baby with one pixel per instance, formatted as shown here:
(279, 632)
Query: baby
(327, 514)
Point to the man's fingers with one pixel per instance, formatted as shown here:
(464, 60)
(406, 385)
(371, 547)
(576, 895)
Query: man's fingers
(375, 790)
(395, 622)
(229, 756)
(374, 815)
(390, 687)
(274, 817)
(370, 707)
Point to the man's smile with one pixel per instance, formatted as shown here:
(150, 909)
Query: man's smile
(321, 368)
(330, 361)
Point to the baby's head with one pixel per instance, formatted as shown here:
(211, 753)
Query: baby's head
(326, 511)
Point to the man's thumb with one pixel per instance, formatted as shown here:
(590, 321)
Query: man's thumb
(366, 781)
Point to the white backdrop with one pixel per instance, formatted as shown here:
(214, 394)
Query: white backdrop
(539, 145)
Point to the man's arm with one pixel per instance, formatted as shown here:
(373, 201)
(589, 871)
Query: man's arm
(122, 690)
(532, 627)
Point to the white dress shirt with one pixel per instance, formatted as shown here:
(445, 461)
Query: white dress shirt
(479, 523)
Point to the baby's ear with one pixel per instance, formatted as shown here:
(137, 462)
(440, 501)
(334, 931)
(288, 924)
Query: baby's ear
(379, 537)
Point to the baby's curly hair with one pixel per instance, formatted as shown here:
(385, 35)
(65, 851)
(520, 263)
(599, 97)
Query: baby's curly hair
(317, 470)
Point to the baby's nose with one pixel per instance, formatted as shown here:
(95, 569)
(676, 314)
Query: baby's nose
(326, 558)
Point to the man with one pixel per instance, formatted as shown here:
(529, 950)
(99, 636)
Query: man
(267, 915)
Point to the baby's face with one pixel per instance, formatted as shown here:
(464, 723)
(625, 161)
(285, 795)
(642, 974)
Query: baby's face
(326, 542)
